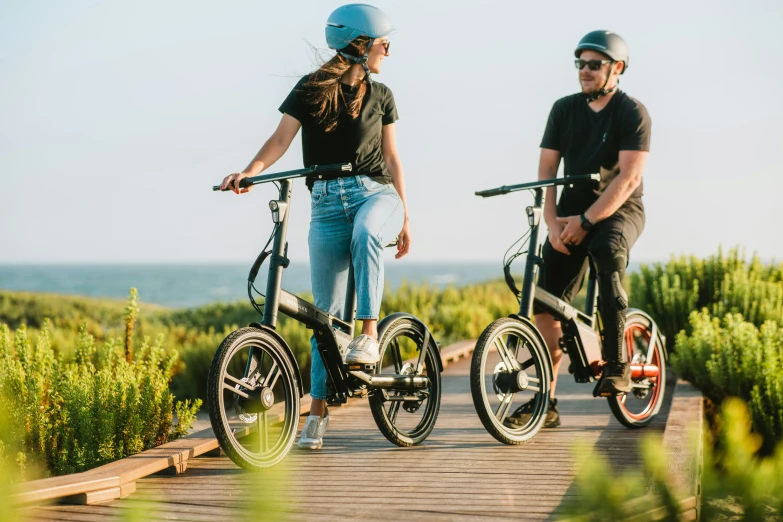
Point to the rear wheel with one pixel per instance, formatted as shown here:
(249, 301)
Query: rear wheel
(406, 418)
(637, 408)
(253, 392)
(510, 367)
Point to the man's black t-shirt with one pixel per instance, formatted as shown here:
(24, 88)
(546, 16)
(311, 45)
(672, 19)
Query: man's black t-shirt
(353, 140)
(591, 142)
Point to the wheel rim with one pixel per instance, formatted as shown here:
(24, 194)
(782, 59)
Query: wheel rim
(259, 436)
(637, 341)
(509, 348)
(399, 354)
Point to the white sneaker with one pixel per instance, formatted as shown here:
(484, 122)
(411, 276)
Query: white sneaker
(364, 350)
(312, 436)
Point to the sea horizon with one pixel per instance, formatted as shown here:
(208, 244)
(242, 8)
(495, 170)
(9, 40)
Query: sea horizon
(187, 285)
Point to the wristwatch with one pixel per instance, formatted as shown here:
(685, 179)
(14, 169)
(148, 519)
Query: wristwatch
(586, 225)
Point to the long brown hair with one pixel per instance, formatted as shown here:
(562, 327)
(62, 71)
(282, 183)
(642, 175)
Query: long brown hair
(323, 86)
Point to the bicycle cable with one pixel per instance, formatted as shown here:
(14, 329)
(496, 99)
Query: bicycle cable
(507, 260)
(254, 271)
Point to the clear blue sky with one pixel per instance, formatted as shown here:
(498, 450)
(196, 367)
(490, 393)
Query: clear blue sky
(117, 117)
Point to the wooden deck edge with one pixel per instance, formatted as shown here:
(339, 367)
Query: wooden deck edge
(117, 479)
(683, 428)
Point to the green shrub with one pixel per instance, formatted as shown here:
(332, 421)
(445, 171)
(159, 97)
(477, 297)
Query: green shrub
(734, 358)
(735, 474)
(721, 283)
(452, 313)
(68, 416)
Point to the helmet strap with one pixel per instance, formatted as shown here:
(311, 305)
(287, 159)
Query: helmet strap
(361, 60)
(603, 91)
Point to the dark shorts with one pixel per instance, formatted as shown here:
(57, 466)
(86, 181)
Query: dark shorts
(608, 244)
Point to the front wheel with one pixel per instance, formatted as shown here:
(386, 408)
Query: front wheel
(406, 418)
(637, 408)
(253, 392)
(511, 367)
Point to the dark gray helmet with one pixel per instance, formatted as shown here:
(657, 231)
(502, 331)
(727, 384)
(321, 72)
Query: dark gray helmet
(605, 42)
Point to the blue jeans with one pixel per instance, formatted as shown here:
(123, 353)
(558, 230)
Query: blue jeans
(352, 220)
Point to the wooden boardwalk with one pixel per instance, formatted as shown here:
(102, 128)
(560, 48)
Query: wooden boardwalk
(459, 473)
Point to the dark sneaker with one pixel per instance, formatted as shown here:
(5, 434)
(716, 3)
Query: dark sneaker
(616, 379)
(521, 415)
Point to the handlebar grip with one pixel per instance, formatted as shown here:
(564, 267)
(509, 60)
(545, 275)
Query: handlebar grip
(242, 184)
(492, 192)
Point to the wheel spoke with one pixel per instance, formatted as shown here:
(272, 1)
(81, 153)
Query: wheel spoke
(393, 410)
(420, 362)
(629, 343)
(236, 391)
(535, 380)
(527, 364)
(505, 405)
(233, 379)
(271, 378)
(263, 433)
(533, 389)
(514, 344)
(510, 362)
(252, 361)
(396, 356)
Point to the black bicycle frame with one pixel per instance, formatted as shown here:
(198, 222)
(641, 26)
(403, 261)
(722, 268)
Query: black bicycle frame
(578, 326)
(332, 334)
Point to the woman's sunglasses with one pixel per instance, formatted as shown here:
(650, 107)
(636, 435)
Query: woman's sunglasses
(593, 65)
(386, 46)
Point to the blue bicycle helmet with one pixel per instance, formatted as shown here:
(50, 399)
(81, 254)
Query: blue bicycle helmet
(351, 21)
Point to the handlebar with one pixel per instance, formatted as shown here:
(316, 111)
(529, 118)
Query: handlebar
(321, 170)
(505, 189)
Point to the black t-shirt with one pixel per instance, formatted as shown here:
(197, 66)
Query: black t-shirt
(353, 140)
(591, 142)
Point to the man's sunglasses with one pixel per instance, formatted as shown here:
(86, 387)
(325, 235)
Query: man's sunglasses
(593, 65)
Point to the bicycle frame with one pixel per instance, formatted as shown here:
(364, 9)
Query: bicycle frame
(333, 334)
(579, 340)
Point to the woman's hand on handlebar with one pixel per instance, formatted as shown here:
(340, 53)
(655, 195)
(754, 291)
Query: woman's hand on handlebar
(232, 182)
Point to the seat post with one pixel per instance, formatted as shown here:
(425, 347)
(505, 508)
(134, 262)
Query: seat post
(349, 313)
(592, 290)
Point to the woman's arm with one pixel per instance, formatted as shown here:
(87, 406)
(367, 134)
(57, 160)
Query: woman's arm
(393, 163)
(270, 152)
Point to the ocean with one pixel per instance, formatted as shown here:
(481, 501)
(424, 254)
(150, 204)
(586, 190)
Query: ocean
(190, 285)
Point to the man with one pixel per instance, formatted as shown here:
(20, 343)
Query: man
(600, 129)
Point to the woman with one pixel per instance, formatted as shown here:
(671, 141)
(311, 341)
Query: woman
(345, 118)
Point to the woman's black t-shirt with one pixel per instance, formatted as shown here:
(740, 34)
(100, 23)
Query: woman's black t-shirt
(591, 142)
(352, 140)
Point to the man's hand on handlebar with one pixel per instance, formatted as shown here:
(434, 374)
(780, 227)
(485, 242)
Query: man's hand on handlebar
(232, 182)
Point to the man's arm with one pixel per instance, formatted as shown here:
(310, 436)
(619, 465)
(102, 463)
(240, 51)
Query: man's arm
(631, 165)
(548, 164)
